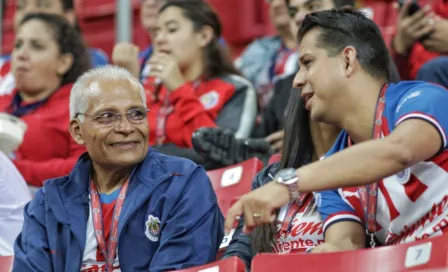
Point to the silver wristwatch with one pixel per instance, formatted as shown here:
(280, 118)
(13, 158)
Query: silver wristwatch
(288, 177)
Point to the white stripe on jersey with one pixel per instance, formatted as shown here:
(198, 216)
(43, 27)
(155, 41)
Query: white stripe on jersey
(343, 215)
(427, 118)
(418, 208)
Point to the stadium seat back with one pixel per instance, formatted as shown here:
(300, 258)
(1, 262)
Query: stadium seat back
(233, 181)
(232, 264)
(424, 254)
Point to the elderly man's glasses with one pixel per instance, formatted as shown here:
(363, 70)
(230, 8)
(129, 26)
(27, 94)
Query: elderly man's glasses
(134, 116)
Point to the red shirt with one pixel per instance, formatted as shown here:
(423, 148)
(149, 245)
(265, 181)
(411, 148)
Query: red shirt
(192, 106)
(47, 150)
(107, 210)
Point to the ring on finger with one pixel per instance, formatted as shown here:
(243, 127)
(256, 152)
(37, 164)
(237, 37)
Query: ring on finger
(256, 215)
(159, 67)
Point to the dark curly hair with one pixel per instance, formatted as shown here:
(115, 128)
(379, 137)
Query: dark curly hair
(69, 41)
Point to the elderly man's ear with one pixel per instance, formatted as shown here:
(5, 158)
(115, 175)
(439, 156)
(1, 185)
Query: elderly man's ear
(75, 131)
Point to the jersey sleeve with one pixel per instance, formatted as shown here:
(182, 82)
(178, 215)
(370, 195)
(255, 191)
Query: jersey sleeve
(428, 103)
(334, 209)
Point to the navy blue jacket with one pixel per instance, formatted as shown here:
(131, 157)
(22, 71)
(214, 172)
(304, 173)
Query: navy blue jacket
(175, 190)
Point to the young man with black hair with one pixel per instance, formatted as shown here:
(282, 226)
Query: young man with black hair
(391, 157)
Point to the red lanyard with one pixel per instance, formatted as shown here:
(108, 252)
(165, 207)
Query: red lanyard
(109, 254)
(368, 194)
(293, 209)
(165, 110)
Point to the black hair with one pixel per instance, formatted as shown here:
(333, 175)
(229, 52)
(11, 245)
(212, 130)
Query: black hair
(298, 151)
(69, 41)
(339, 28)
(217, 59)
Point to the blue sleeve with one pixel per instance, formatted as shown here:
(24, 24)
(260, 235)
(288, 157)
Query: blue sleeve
(334, 209)
(31, 248)
(428, 102)
(194, 230)
(98, 57)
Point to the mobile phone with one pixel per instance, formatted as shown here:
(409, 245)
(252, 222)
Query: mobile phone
(413, 8)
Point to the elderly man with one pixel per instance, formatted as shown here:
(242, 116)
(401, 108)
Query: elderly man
(123, 207)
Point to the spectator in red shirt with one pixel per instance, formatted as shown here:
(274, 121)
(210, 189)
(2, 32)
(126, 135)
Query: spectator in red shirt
(421, 43)
(65, 8)
(48, 56)
(192, 82)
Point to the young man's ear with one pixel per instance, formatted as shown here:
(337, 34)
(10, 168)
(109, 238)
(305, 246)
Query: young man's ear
(349, 60)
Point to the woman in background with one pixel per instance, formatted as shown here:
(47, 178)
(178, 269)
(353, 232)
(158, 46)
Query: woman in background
(191, 81)
(48, 56)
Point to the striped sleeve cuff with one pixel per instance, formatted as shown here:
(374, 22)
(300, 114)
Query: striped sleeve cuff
(341, 217)
(428, 118)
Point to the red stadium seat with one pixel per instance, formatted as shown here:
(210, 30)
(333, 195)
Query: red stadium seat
(229, 184)
(415, 256)
(233, 181)
(275, 158)
(6, 263)
(232, 264)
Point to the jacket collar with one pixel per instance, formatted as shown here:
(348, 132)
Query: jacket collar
(69, 197)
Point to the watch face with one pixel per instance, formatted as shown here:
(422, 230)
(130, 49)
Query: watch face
(286, 174)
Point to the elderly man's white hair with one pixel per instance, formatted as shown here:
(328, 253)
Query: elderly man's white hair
(87, 86)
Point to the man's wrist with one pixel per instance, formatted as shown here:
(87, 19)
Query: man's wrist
(288, 178)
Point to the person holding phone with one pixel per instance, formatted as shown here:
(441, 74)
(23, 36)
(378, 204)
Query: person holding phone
(420, 44)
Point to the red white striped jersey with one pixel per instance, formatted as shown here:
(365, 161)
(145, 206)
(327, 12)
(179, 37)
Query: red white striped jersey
(411, 204)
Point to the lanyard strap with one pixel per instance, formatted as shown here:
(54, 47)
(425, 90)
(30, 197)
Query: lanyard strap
(108, 253)
(293, 209)
(369, 194)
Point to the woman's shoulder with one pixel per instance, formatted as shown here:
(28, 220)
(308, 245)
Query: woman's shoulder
(266, 175)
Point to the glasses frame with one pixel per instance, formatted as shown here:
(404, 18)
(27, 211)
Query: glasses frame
(117, 119)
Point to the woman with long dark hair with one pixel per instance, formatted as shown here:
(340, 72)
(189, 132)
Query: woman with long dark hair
(192, 81)
(305, 141)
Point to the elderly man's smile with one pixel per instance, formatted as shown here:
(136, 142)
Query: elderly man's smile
(125, 145)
